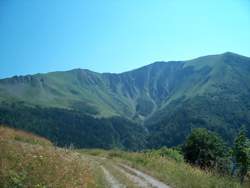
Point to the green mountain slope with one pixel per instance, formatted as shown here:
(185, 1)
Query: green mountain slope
(169, 98)
(218, 100)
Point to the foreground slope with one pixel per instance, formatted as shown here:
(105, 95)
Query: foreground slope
(168, 98)
(30, 161)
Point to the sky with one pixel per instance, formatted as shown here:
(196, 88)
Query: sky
(38, 36)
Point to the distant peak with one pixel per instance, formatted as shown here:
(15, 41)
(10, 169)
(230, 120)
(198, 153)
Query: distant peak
(229, 53)
(232, 54)
(81, 70)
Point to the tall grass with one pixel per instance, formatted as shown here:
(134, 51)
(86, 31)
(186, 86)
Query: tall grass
(30, 161)
(171, 169)
(178, 174)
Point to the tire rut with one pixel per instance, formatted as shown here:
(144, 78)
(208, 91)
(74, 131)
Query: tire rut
(141, 179)
(112, 181)
(136, 177)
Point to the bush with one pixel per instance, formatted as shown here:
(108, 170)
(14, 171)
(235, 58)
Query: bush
(169, 153)
(114, 153)
(204, 148)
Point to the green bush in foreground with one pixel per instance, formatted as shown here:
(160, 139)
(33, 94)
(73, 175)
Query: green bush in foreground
(205, 149)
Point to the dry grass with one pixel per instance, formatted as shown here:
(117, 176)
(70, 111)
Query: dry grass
(176, 174)
(30, 161)
(18, 135)
(179, 174)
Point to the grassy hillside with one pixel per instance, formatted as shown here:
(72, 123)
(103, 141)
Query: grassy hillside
(168, 98)
(136, 94)
(30, 161)
(218, 101)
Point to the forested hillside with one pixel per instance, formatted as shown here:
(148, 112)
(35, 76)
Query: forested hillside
(152, 106)
(73, 128)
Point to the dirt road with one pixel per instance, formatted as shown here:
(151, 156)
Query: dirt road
(118, 175)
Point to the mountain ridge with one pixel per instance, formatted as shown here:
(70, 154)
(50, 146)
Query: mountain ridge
(115, 73)
(153, 95)
(110, 83)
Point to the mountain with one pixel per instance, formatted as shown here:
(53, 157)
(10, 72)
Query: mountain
(164, 101)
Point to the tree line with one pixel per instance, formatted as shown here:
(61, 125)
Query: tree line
(208, 151)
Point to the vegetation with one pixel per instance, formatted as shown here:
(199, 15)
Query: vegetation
(214, 112)
(166, 168)
(31, 161)
(169, 98)
(242, 154)
(203, 102)
(167, 153)
(67, 127)
(205, 149)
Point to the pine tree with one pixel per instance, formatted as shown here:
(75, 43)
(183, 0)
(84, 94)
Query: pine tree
(242, 154)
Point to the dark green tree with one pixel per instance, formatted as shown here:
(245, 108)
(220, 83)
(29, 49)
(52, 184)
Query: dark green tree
(204, 148)
(242, 154)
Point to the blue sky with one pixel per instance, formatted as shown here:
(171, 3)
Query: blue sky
(116, 35)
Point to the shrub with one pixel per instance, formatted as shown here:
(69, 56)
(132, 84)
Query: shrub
(169, 153)
(204, 148)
